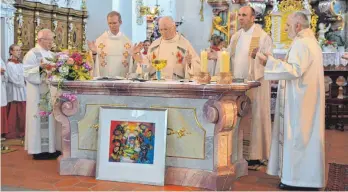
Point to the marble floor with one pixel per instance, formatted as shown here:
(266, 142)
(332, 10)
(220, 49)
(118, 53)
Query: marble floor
(20, 173)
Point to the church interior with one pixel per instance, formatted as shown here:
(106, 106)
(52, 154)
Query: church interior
(205, 140)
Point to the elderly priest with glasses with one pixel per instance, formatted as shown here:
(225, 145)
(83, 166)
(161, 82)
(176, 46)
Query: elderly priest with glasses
(182, 60)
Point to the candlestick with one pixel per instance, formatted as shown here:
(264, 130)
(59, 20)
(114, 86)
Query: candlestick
(204, 61)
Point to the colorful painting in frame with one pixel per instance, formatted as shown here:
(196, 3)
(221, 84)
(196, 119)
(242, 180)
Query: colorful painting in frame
(132, 141)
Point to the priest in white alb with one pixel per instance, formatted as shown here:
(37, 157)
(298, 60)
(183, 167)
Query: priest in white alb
(298, 144)
(112, 50)
(42, 139)
(242, 48)
(182, 60)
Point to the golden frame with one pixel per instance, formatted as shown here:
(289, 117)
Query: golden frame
(286, 7)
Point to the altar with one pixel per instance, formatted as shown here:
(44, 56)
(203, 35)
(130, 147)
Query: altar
(204, 135)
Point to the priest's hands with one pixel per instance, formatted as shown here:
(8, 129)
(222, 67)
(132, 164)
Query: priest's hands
(263, 57)
(136, 52)
(138, 47)
(43, 64)
(212, 55)
(92, 46)
(188, 58)
(2, 71)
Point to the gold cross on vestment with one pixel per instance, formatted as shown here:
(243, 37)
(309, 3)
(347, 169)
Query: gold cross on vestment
(101, 46)
(127, 46)
(102, 54)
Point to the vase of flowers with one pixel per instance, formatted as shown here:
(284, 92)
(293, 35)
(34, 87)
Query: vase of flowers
(64, 66)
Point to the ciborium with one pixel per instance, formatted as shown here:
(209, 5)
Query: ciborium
(159, 64)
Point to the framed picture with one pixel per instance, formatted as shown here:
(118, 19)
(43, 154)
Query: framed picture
(132, 141)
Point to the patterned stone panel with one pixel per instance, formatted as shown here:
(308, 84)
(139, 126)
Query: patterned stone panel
(62, 33)
(184, 128)
(77, 35)
(27, 31)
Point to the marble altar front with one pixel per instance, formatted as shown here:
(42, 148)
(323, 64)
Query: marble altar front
(204, 135)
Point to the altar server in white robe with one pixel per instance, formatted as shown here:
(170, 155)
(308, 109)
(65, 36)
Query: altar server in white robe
(298, 145)
(16, 94)
(182, 60)
(141, 68)
(41, 137)
(242, 48)
(112, 50)
(4, 80)
(216, 42)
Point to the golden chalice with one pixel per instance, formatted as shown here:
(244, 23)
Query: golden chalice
(159, 64)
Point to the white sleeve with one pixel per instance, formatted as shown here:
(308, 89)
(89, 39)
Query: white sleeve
(296, 65)
(266, 47)
(15, 76)
(31, 68)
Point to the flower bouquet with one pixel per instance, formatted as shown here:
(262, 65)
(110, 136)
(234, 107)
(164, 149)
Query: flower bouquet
(66, 65)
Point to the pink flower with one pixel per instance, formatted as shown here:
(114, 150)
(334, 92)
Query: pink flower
(69, 97)
(70, 61)
(77, 58)
(44, 113)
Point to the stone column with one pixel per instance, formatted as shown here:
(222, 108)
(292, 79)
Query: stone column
(229, 163)
(66, 164)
